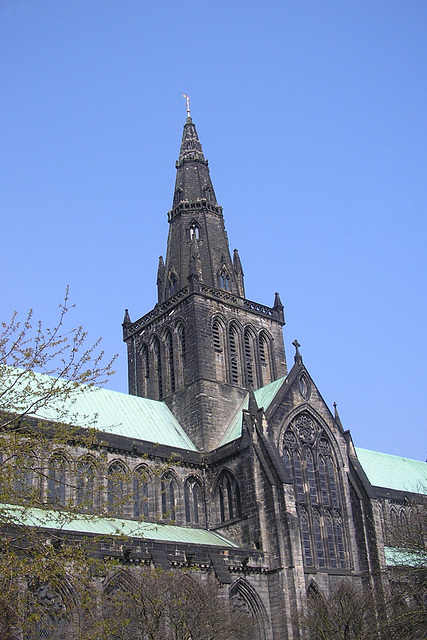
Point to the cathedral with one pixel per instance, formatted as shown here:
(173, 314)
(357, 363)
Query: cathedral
(263, 487)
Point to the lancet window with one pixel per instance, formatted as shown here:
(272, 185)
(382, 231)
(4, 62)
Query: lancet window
(85, 476)
(170, 361)
(229, 497)
(193, 501)
(57, 480)
(309, 458)
(219, 343)
(158, 367)
(23, 478)
(182, 353)
(224, 279)
(250, 363)
(116, 485)
(140, 492)
(169, 492)
(145, 369)
(235, 359)
(172, 283)
(194, 231)
(265, 358)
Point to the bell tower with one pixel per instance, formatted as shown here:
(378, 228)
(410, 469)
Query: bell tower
(204, 344)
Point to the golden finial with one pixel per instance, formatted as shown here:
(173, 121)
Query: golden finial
(184, 95)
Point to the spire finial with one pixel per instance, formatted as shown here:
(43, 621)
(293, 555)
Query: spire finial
(297, 357)
(187, 98)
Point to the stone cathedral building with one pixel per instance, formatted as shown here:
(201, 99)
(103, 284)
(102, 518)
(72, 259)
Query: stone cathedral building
(266, 490)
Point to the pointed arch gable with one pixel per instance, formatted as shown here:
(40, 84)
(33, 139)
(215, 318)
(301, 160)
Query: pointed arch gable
(318, 418)
(119, 581)
(244, 597)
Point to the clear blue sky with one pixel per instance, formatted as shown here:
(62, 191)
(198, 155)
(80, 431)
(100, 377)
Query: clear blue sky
(313, 117)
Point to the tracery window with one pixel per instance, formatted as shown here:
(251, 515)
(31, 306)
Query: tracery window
(193, 501)
(309, 458)
(140, 492)
(116, 488)
(229, 497)
(169, 492)
(85, 473)
(56, 480)
(48, 617)
(194, 231)
(23, 477)
(224, 279)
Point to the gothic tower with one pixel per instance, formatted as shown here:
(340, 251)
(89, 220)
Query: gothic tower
(204, 344)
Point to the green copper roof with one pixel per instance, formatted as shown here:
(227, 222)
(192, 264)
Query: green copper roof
(264, 397)
(399, 557)
(109, 411)
(393, 472)
(75, 523)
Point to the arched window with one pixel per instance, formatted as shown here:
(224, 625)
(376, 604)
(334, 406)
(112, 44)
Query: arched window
(48, 615)
(116, 488)
(170, 361)
(229, 497)
(158, 367)
(169, 492)
(224, 279)
(309, 458)
(85, 473)
(235, 358)
(250, 363)
(140, 492)
(145, 369)
(172, 283)
(219, 350)
(194, 231)
(57, 480)
(193, 501)
(23, 476)
(265, 359)
(182, 353)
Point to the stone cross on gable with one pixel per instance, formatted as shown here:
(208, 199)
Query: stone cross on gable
(297, 357)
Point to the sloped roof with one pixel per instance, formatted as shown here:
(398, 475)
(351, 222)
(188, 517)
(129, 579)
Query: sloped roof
(396, 557)
(263, 396)
(79, 523)
(393, 472)
(117, 413)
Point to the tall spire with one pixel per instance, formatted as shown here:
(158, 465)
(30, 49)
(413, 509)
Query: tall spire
(197, 216)
(193, 180)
